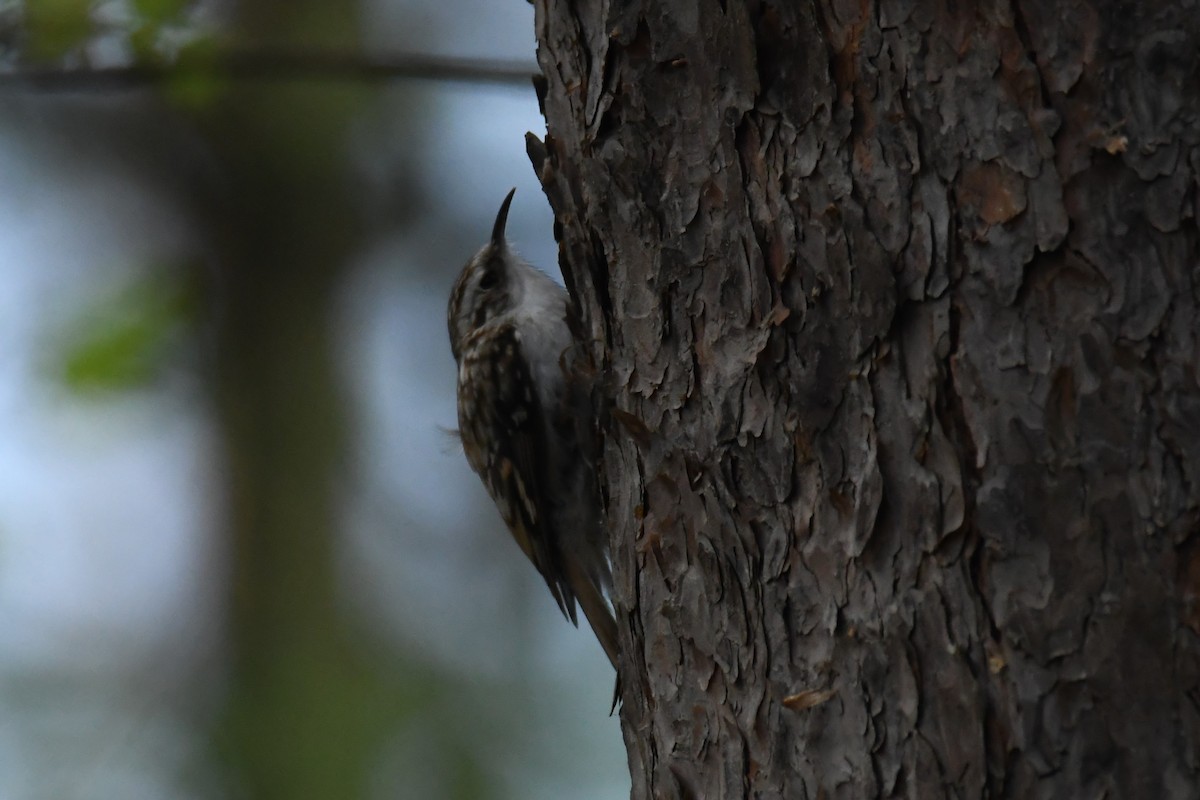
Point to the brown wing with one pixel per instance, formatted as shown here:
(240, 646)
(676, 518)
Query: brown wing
(505, 443)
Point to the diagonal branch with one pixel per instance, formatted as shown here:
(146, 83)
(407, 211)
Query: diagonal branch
(278, 65)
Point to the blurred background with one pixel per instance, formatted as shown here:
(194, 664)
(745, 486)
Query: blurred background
(240, 556)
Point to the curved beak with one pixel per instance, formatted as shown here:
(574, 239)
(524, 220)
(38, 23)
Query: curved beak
(502, 218)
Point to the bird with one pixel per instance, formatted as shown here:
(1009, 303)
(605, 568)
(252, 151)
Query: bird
(525, 421)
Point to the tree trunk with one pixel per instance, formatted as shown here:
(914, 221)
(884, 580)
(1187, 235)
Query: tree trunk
(895, 309)
(306, 706)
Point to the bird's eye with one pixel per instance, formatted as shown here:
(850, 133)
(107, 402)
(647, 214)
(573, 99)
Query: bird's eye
(489, 280)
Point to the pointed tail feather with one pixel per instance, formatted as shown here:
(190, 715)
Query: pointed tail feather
(595, 608)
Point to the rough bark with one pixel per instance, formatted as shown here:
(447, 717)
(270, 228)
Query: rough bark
(895, 310)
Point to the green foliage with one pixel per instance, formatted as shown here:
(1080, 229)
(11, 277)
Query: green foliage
(158, 11)
(152, 17)
(123, 341)
(56, 26)
(193, 87)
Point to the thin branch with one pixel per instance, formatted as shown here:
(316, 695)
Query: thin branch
(277, 66)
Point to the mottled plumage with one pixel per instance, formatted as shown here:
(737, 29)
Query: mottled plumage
(524, 418)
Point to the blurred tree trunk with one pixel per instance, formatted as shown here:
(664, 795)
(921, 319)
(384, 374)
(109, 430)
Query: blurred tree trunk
(896, 306)
(304, 706)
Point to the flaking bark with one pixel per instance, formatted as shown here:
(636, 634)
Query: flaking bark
(895, 310)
